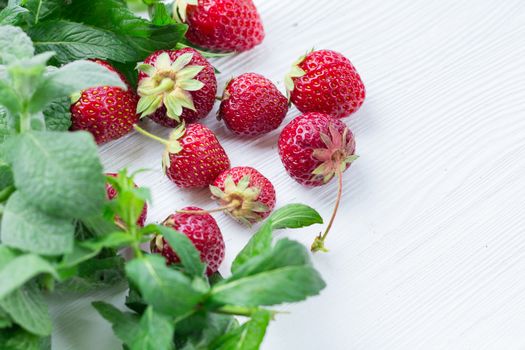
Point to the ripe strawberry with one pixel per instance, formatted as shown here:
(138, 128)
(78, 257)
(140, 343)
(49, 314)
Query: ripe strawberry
(193, 157)
(326, 82)
(314, 148)
(202, 230)
(252, 105)
(221, 25)
(112, 193)
(176, 85)
(107, 112)
(243, 193)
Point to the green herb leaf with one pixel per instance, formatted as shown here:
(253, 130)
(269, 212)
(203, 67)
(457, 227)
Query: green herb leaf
(155, 332)
(247, 337)
(295, 216)
(186, 251)
(41, 9)
(167, 290)
(286, 284)
(160, 15)
(14, 44)
(12, 14)
(8, 98)
(19, 270)
(18, 339)
(125, 324)
(71, 78)
(28, 309)
(5, 320)
(289, 216)
(60, 172)
(29, 229)
(74, 41)
(285, 253)
(57, 114)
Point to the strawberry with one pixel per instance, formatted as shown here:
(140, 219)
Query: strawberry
(112, 193)
(176, 85)
(243, 193)
(325, 81)
(202, 230)
(107, 112)
(314, 148)
(252, 105)
(193, 157)
(221, 25)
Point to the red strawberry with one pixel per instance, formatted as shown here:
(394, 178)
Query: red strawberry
(245, 194)
(221, 25)
(193, 157)
(107, 112)
(176, 85)
(326, 82)
(112, 193)
(252, 105)
(314, 148)
(202, 230)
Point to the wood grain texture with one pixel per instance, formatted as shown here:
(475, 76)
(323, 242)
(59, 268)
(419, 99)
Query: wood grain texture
(428, 251)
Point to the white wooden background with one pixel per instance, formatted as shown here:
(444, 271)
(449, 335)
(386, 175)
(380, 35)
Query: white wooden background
(429, 248)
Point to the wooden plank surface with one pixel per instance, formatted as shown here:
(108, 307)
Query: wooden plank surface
(428, 251)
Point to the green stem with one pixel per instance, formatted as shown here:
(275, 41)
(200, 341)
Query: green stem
(236, 310)
(150, 135)
(25, 122)
(318, 244)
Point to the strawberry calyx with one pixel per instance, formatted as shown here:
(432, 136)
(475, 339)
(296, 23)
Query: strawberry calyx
(172, 144)
(295, 72)
(240, 200)
(180, 8)
(336, 156)
(168, 83)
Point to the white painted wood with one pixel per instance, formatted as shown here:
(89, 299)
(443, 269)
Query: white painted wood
(429, 248)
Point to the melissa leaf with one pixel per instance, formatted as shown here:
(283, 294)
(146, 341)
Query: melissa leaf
(58, 115)
(167, 290)
(14, 44)
(27, 228)
(74, 41)
(186, 251)
(281, 285)
(28, 309)
(60, 172)
(21, 269)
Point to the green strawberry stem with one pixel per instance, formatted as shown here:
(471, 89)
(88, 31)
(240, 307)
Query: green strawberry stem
(318, 244)
(150, 135)
(232, 205)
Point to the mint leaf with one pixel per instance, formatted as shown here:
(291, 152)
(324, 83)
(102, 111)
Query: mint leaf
(247, 337)
(286, 284)
(41, 9)
(124, 324)
(74, 41)
(18, 339)
(12, 14)
(203, 332)
(57, 114)
(28, 309)
(167, 290)
(27, 228)
(285, 253)
(71, 78)
(5, 129)
(6, 256)
(14, 44)
(60, 172)
(289, 216)
(5, 320)
(295, 216)
(155, 332)
(20, 270)
(161, 15)
(186, 251)
(9, 98)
